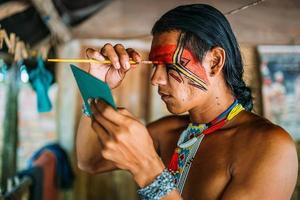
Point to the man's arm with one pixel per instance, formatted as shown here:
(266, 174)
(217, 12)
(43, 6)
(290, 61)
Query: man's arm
(88, 149)
(163, 126)
(88, 146)
(269, 172)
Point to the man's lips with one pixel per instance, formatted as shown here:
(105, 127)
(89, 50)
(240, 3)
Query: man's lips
(163, 93)
(165, 96)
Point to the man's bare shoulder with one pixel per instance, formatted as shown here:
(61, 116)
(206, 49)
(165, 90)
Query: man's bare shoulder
(259, 140)
(165, 125)
(257, 129)
(264, 158)
(168, 123)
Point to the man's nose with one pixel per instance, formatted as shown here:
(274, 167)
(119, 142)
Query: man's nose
(159, 76)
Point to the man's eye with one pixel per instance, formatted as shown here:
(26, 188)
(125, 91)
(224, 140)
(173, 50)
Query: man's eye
(170, 66)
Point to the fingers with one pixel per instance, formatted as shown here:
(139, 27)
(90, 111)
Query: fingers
(98, 121)
(109, 51)
(94, 54)
(101, 133)
(125, 112)
(119, 56)
(123, 56)
(104, 112)
(134, 55)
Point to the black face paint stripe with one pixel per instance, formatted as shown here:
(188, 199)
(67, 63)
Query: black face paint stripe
(176, 59)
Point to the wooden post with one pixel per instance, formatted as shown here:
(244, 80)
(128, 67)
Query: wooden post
(10, 8)
(10, 137)
(52, 20)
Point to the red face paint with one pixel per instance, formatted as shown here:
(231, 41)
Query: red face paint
(182, 58)
(175, 77)
(163, 54)
(191, 63)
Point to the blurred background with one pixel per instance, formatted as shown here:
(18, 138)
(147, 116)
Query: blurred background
(40, 104)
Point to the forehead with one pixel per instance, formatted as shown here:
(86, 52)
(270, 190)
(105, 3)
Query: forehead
(165, 38)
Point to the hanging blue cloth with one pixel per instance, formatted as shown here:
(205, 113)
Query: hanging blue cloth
(41, 79)
(3, 70)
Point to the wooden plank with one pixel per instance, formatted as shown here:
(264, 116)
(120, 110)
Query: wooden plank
(9, 151)
(12, 7)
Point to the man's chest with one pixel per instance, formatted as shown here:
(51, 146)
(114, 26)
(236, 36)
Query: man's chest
(210, 170)
(207, 178)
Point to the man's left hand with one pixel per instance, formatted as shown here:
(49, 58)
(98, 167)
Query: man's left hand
(126, 142)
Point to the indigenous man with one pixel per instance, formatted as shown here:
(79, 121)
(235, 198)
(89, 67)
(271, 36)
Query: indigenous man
(220, 150)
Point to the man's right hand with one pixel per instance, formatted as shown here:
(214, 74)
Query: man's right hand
(114, 73)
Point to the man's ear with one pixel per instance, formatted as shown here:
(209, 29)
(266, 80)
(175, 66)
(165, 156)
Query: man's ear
(217, 60)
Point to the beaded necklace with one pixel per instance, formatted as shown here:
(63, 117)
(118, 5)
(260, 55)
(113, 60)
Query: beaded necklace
(190, 140)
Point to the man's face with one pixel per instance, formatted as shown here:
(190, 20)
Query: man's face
(181, 78)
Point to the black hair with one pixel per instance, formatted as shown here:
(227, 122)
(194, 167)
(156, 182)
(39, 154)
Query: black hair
(205, 27)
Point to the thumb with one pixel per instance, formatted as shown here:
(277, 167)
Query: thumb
(97, 70)
(94, 54)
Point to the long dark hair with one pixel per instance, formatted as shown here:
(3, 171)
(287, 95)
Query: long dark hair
(205, 27)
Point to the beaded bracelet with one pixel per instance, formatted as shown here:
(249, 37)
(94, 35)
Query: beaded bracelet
(161, 186)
